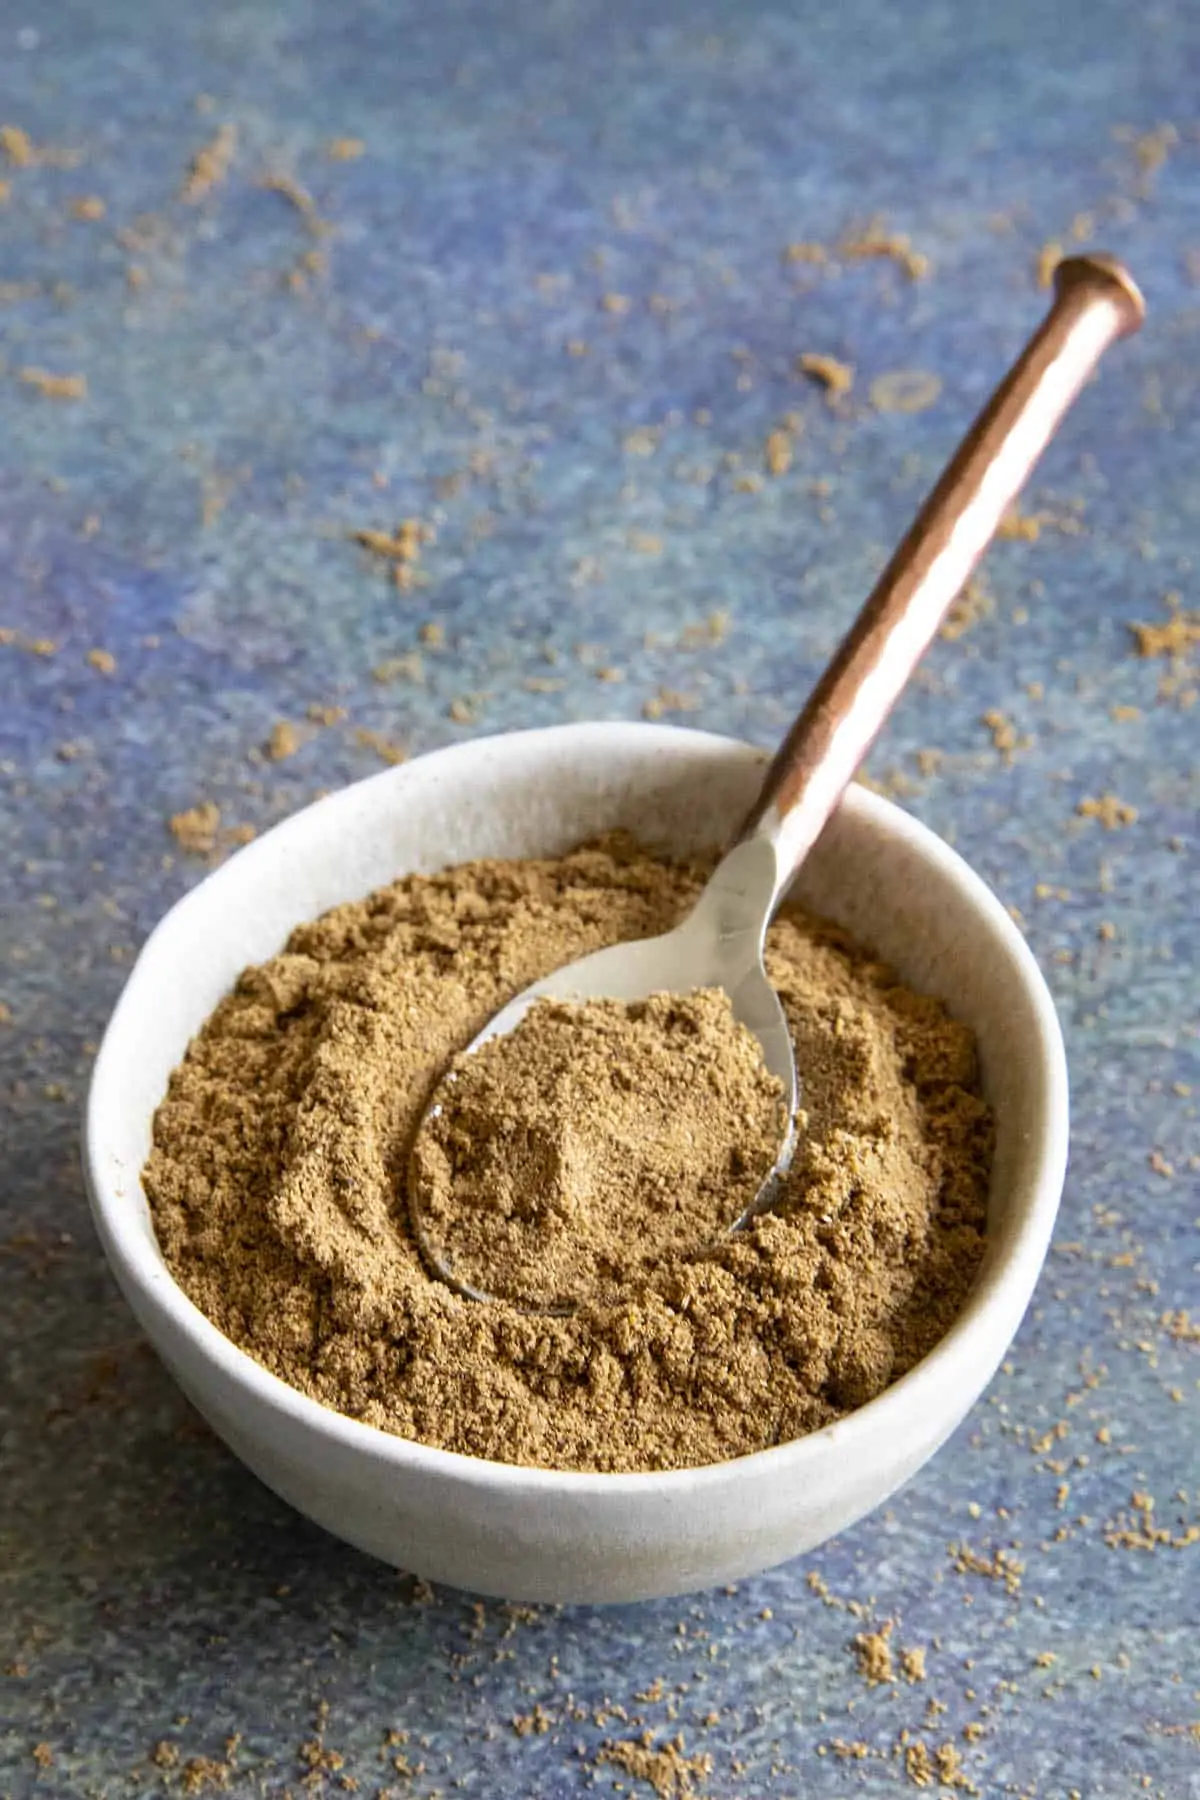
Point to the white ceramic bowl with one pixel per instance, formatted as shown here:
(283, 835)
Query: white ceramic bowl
(535, 1534)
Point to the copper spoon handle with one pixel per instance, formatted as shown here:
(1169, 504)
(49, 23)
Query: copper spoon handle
(1096, 302)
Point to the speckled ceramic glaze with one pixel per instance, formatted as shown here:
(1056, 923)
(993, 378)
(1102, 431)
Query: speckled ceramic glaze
(536, 1534)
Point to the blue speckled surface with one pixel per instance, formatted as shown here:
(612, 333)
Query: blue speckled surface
(190, 517)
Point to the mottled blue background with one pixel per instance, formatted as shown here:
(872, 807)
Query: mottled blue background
(190, 517)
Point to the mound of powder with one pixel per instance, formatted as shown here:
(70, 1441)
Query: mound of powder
(570, 1159)
(277, 1182)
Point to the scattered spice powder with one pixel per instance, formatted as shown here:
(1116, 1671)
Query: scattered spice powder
(1111, 812)
(1004, 732)
(195, 829)
(1001, 1565)
(537, 1722)
(309, 263)
(643, 440)
(1151, 149)
(973, 604)
(103, 661)
(664, 1767)
(401, 547)
(777, 452)
(293, 191)
(835, 377)
(54, 387)
(210, 165)
(571, 1157)
(17, 147)
(284, 741)
(950, 1772)
(806, 252)
(1030, 526)
(321, 714)
(1137, 1530)
(202, 1773)
(344, 149)
(20, 151)
(277, 1184)
(1175, 639)
(905, 390)
(918, 1764)
(875, 241)
(1016, 524)
(88, 207)
(873, 1653)
(409, 667)
(701, 632)
(668, 700)
(385, 748)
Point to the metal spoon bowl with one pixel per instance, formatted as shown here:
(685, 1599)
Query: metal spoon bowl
(720, 943)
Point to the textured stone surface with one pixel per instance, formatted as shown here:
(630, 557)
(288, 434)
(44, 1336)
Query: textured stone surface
(190, 517)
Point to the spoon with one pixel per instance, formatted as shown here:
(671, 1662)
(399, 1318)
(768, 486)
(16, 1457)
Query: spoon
(720, 943)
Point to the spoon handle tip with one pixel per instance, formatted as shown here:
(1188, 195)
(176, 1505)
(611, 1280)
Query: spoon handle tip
(1096, 301)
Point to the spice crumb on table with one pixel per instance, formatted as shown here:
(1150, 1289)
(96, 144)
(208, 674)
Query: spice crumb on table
(905, 390)
(283, 741)
(210, 166)
(875, 240)
(195, 828)
(1113, 813)
(54, 386)
(385, 748)
(835, 376)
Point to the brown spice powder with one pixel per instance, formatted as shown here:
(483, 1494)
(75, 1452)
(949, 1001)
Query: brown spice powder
(195, 829)
(835, 377)
(53, 386)
(664, 1767)
(568, 1160)
(905, 390)
(277, 1184)
(210, 165)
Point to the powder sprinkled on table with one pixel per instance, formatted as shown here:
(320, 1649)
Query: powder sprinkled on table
(277, 1184)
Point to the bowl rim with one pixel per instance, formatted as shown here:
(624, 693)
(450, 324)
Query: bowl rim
(989, 1310)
